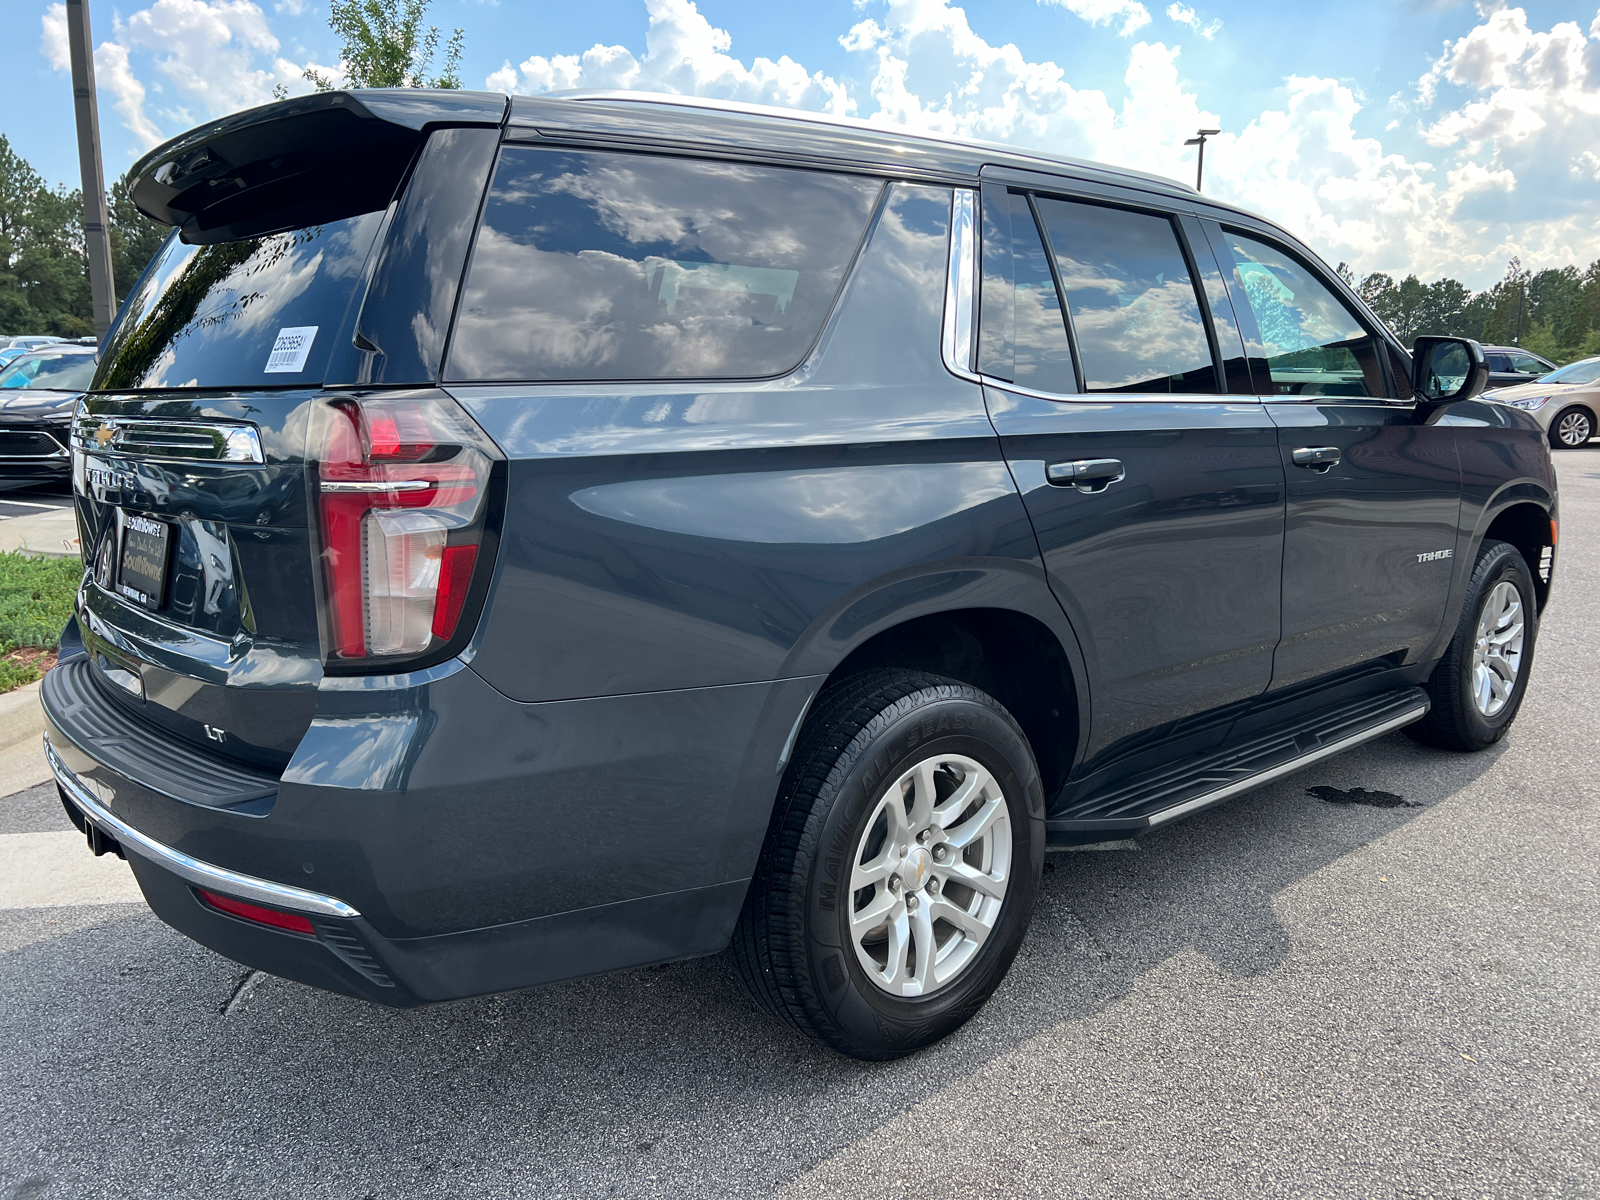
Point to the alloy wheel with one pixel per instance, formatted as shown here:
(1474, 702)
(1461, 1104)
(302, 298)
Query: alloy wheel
(1574, 429)
(929, 875)
(1497, 651)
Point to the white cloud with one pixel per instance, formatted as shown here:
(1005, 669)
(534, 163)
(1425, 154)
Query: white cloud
(1184, 15)
(1510, 113)
(216, 56)
(686, 54)
(1133, 15)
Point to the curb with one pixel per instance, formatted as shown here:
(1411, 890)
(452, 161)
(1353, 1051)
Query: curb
(21, 716)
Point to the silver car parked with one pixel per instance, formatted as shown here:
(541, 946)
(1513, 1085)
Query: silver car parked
(1566, 402)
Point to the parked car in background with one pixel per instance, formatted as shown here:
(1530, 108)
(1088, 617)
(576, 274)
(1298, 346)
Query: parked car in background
(38, 393)
(1512, 364)
(27, 341)
(1565, 402)
(586, 532)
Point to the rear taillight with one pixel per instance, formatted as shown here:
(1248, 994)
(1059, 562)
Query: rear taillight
(403, 483)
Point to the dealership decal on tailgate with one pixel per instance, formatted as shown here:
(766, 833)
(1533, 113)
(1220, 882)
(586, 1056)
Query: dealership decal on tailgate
(144, 560)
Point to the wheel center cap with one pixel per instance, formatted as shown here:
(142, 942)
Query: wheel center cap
(918, 866)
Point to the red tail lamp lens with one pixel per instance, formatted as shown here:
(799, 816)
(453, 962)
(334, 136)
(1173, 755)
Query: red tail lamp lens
(403, 484)
(293, 922)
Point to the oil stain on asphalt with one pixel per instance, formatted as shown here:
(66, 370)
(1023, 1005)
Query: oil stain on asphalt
(1334, 795)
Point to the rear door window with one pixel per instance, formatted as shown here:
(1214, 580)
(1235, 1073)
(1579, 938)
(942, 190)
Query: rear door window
(256, 312)
(1134, 309)
(1313, 344)
(601, 265)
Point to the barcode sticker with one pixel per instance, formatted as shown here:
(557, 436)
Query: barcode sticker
(289, 352)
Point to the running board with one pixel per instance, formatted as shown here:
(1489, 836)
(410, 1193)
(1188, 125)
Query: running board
(1154, 798)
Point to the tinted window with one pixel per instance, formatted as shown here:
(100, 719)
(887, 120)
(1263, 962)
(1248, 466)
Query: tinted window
(625, 266)
(1044, 356)
(1134, 310)
(63, 372)
(213, 316)
(1312, 343)
(1498, 362)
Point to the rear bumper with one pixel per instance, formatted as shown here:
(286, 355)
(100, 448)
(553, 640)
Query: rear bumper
(349, 956)
(466, 844)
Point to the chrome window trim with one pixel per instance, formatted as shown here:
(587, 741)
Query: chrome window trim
(191, 870)
(170, 441)
(961, 286)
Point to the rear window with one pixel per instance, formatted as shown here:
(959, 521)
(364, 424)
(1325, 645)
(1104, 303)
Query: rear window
(60, 372)
(625, 266)
(252, 313)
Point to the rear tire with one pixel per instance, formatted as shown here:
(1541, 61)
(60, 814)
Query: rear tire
(1572, 428)
(1478, 685)
(857, 931)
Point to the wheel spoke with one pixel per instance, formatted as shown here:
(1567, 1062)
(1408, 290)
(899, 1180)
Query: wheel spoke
(865, 920)
(975, 826)
(927, 949)
(978, 881)
(924, 792)
(895, 973)
(962, 796)
(959, 917)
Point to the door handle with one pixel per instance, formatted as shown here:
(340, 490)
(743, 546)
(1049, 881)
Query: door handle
(1320, 459)
(1086, 474)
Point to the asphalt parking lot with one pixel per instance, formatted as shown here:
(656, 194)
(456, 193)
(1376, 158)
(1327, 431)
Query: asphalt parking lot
(1383, 993)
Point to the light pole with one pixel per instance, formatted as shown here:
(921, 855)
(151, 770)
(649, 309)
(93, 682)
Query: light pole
(1200, 162)
(96, 237)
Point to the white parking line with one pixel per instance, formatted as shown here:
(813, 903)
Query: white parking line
(53, 870)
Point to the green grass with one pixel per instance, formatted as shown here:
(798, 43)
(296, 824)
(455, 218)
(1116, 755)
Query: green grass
(35, 602)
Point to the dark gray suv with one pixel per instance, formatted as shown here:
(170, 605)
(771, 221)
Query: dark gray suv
(531, 538)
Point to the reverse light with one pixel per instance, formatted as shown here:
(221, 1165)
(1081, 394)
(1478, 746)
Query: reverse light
(402, 497)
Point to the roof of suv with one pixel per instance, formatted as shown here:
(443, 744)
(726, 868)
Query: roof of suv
(755, 126)
(357, 144)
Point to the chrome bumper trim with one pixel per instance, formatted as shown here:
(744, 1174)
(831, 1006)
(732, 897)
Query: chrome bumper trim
(201, 874)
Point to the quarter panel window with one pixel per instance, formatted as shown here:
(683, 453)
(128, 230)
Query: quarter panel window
(626, 266)
(1313, 345)
(1135, 313)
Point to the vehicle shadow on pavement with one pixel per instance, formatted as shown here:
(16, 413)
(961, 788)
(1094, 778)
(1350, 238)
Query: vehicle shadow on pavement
(122, 1064)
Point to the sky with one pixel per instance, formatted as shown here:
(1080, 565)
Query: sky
(1433, 137)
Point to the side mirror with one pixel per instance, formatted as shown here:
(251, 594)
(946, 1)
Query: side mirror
(1446, 369)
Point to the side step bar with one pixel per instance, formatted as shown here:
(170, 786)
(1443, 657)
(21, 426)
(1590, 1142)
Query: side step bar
(1155, 798)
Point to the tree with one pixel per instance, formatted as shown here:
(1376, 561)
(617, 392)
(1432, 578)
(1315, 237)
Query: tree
(385, 46)
(44, 276)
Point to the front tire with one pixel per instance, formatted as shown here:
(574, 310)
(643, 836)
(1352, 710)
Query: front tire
(1571, 429)
(1478, 685)
(901, 868)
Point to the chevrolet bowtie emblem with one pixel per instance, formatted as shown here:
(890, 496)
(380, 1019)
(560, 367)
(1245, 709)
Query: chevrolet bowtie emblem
(104, 436)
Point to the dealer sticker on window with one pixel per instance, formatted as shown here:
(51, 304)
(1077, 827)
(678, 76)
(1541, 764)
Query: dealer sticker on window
(289, 352)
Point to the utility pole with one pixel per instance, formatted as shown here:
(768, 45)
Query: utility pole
(1200, 163)
(1522, 303)
(96, 233)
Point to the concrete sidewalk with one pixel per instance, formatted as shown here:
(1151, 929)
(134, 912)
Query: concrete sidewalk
(22, 763)
(53, 533)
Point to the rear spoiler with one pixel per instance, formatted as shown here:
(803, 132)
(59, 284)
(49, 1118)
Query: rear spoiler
(299, 162)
